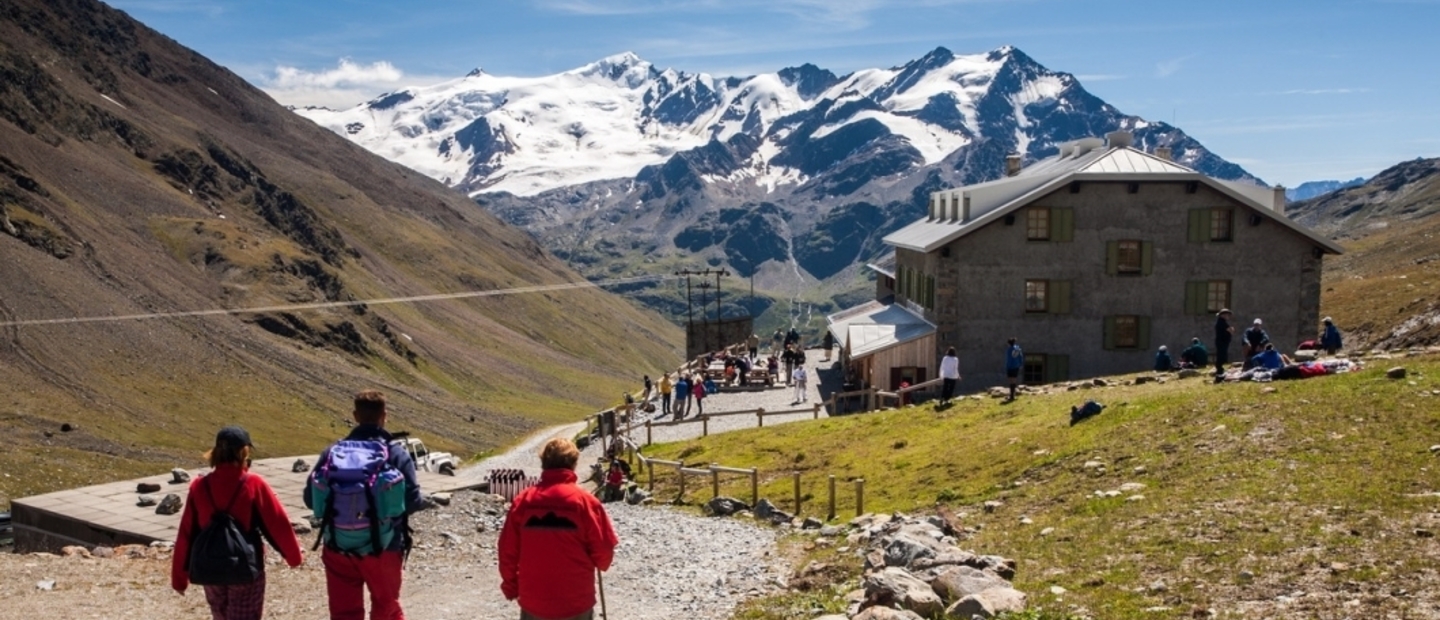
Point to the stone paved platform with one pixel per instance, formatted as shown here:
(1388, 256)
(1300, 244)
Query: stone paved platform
(108, 514)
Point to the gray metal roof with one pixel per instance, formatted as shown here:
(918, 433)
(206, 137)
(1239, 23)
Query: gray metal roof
(1083, 160)
(875, 326)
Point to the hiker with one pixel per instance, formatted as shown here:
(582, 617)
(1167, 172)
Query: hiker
(555, 538)
(1195, 355)
(1254, 340)
(363, 489)
(1014, 362)
(772, 366)
(789, 358)
(1223, 333)
(776, 342)
(792, 337)
(699, 389)
(1163, 363)
(1269, 359)
(649, 389)
(949, 374)
(799, 377)
(231, 489)
(1330, 338)
(614, 482)
(753, 345)
(665, 390)
(682, 396)
(828, 343)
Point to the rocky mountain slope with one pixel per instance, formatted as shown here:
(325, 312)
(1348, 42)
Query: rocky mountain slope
(1311, 189)
(792, 177)
(137, 177)
(1385, 290)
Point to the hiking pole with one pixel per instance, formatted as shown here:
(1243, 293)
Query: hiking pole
(599, 579)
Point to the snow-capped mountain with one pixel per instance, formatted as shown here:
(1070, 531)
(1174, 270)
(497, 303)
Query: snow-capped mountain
(611, 118)
(794, 175)
(1311, 189)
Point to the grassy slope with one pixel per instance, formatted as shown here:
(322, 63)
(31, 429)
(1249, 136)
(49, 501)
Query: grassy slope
(1383, 282)
(1238, 478)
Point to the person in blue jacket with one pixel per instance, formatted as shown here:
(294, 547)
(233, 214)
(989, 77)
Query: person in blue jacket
(1330, 339)
(1269, 359)
(1163, 363)
(1014, 361)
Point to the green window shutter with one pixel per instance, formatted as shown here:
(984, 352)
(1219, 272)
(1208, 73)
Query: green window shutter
(1057, 368)
(1195, 294)
(1143, 326)
(1109, 333)
(1147, 250)
(1058, 297)
(1062, 224)
(1112, 257)
(1199, 225)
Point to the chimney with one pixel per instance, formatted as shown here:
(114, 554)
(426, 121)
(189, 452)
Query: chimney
(1163, 152)
(1279, 200)
(1013, 163)
(1119, 139)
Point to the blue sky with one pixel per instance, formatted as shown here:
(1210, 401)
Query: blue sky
(1291, 90)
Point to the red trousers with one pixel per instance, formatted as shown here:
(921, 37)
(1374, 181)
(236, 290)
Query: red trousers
(347, 577)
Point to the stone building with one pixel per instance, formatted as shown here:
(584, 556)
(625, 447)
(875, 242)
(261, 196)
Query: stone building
(1092, 259)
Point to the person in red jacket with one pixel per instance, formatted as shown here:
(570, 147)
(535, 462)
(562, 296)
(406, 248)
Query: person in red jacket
(249, 497)
(555, 537)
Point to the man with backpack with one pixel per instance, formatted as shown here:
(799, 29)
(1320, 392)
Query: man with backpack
(219, 543)
(363, 489)
(556, 536)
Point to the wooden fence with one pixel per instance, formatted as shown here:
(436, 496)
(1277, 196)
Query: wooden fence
(714, 470)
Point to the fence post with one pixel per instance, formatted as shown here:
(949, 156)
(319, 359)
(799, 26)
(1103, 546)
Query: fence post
(651, 466)
(830, 516)
(704, 426)
(715, 479)
(816, 415)
(648, 439)
(859, 496)
(760, 414)
(797, 493)
(754, 487)
(681, 498)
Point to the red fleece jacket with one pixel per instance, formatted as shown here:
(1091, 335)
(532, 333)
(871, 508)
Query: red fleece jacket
(554, 538)
(255, 498)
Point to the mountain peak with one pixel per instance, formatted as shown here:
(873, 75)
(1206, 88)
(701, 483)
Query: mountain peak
(624, 67)
(476, 72)
(1010, 53)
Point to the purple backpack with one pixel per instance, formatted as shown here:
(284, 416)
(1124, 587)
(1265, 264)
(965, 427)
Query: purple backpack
(357, 496)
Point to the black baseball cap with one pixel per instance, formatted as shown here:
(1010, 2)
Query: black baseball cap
(233, 437)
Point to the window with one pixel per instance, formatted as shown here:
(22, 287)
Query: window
(1127, 332)
(1220, 224)
(1034, 370)
(1217, 295)
(1206, 296)
(1128, 260)
(1036, 295)
(1037, 224)
(1047, 297)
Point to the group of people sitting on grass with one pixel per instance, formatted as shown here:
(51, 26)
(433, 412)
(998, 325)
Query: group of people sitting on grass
(1260, 360)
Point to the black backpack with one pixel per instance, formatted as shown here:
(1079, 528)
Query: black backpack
(220, 553)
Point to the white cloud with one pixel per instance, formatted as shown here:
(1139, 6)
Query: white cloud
(347, 84)
(1100, 77)
(1325, 91)
(1167, 68)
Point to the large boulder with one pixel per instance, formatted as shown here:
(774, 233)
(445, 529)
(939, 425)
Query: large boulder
(957, 582)
(988, 604)
(763, 509)
(897, 588)
(902, 550)
(170, 505)
(722, 506)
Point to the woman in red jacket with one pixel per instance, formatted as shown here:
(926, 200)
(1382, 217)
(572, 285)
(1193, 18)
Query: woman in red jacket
(249, 498)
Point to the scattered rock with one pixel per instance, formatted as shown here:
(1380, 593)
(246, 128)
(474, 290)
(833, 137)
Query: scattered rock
(1026, 521)
(1397, 372)
(763, 509)
(1093, 464)
(886, 613)
(71, 551)
(1131, 487)
(1186, 373)
(67, 427)
(1143, 379)
(1424, 533)
(957, 582)
(991, 505)
(1246, 576)
(896, 587)
(442, 499)
(722, 506)
(147, 487)
(1047, 531)
(1057, 590)
(829, 531)
(145, 501)
(301, 526)
(46, 585)
(106, 552)
(811, 523)
(300, 466)
(170, 505)
(1269, 390)
(1435, 449)
(179, 476)
(988, 604)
